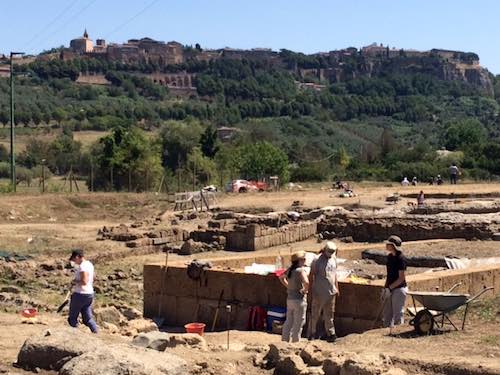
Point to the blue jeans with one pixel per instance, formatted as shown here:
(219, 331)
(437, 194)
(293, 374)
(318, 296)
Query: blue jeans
(82, 303)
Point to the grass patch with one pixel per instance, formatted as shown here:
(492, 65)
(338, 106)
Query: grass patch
(80, 203)
(493, 340)
(488, 310)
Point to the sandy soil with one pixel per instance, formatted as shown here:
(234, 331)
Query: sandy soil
(475, 348)
(47, 226)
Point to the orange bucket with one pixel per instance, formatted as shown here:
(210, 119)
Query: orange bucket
(198, 328)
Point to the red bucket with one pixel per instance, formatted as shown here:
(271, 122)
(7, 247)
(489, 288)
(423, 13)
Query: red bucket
(29, 313)
(198, 328)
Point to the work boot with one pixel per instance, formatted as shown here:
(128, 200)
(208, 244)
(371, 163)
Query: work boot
(331, 338)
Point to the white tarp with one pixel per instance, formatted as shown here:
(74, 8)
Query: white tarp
(461, 263)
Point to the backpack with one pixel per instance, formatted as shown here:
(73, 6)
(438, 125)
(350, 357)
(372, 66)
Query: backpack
(257, 319)
(196, 268)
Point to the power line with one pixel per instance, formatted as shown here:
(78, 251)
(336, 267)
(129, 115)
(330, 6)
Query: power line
(49, 25)
(130, 19)
(70, 19)
(324, 159)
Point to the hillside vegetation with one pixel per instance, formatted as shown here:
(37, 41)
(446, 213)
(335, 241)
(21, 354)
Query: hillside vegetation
(384, 126)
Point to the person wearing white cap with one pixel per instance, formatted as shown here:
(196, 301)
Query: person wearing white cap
(296, 282)
(325, 289)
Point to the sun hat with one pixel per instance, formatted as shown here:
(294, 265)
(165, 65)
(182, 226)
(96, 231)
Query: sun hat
(298, 255)
(395, 241)
(330, 247)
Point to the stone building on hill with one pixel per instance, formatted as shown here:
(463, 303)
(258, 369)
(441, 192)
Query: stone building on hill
(145, 50)
(82, 45)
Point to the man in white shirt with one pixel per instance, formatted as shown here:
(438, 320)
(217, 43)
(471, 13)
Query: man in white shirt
(83, 292)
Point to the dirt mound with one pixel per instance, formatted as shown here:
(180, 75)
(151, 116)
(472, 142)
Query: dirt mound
(78, 207)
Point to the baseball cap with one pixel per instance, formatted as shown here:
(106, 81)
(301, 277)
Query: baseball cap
(76, 253)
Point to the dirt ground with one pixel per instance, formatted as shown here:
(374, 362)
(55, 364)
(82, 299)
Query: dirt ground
(46, 227)
(452, 352)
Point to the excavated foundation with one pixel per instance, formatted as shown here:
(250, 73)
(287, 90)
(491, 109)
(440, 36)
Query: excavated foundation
(184, 300)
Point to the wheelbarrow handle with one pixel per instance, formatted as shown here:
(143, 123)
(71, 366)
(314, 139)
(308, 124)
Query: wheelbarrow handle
(454, 287)
(479, 294)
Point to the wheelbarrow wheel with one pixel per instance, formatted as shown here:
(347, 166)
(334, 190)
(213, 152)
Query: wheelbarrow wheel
(423, 322)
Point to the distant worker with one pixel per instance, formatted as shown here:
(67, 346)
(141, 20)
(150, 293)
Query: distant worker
(439, 180)
(414, 181)
(297, 284)
(421, 199)
(324, 290)
(395, 284)
(454, 172)
(83, 292)
(405, 182)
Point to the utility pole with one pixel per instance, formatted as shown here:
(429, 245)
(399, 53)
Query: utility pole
(12, 126)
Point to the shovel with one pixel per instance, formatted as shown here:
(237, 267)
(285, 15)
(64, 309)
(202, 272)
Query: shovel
(66, 301)
(217, 311)
(159, 320)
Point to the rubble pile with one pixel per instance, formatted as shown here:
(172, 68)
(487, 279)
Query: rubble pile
(312, 359)
(134, 237)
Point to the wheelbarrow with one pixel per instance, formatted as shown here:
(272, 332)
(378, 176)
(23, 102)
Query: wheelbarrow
(436, 309)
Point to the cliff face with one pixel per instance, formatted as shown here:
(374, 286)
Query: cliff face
(480, 77)
(450, 69)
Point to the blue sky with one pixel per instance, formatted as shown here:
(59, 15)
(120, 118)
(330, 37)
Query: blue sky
(307, 26)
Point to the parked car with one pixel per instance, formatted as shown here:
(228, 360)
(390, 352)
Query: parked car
(244, 186)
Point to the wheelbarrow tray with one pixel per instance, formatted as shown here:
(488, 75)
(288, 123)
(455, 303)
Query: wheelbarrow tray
(440, 301)
(437, 306)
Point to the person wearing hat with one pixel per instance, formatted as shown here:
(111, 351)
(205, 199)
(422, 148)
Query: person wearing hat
(296, 282)
(395, 284)
(325, 289)
(83, 292)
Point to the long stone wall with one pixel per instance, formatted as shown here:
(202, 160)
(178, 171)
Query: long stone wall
(256, 236)
(412, 228)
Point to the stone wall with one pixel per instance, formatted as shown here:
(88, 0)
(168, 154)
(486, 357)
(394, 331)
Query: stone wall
(184, 300)
(412, 228)
(255, 236)
(92, 79)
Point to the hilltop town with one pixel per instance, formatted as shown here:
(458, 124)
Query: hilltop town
(315, 70)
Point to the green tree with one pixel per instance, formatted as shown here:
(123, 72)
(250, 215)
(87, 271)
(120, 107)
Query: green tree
(209, 142)
(342, 158)
(464, 133)
(126, 160)
(178, 139)
(202, 168)
(59, 115)
(387, 143)
(262, 159)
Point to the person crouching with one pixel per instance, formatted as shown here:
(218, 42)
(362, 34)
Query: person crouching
(296, 282)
